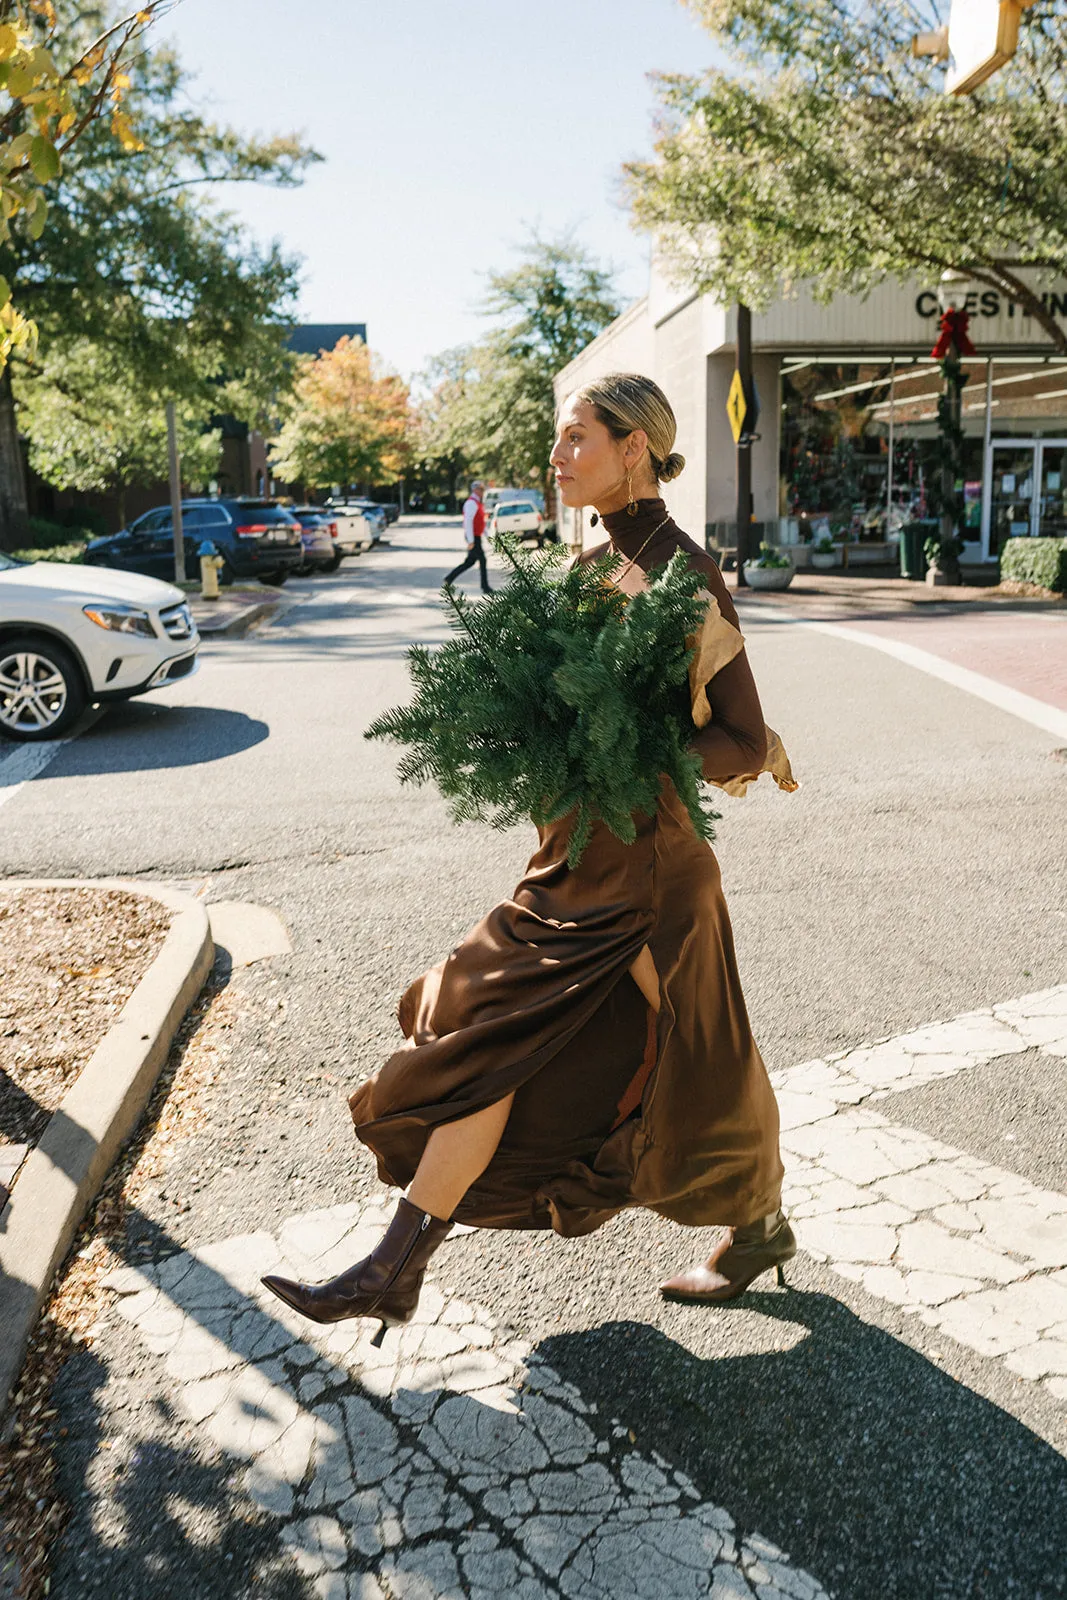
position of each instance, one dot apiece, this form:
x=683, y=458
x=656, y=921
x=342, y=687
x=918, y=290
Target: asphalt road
x=918, y=873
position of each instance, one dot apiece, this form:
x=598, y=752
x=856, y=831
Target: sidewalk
x=235, y=611
x=1015, y=641
x=832, y=596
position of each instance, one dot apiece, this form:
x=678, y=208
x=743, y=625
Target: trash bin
x=913, y=535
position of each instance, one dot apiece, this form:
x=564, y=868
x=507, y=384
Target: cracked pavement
x=891, y=1425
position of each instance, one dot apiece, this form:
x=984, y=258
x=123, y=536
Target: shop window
x=836, y=455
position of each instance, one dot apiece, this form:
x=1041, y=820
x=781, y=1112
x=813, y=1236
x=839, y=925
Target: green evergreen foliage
x=1041, y=561
x=558, y=695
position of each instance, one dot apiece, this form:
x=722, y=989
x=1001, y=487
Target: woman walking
x=586, y=1047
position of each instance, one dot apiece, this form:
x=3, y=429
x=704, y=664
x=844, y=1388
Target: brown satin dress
x=615, y=1104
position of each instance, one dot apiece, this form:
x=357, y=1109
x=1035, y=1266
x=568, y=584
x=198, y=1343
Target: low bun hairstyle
x=624, y=401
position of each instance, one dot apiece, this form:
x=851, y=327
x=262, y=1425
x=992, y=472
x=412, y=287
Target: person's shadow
x=875, y=1471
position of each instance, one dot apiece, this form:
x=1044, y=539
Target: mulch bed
x=54, y=926
x=69, y=961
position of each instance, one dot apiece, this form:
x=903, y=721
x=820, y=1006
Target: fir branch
x=558, y=696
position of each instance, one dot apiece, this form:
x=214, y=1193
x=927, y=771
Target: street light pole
x=743, y=452
x=952, y=344
x=175, y=495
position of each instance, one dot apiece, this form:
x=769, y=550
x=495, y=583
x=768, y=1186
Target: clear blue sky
x=449, y=128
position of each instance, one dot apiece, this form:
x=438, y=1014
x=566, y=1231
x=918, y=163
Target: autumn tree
x=825, y=153
x=348, y=422
x=134, y=258
x=49, y=105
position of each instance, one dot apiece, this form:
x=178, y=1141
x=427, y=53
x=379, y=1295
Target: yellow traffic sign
x=736, y=406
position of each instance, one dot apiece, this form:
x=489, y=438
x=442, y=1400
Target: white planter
x=824, y=559
x=769, y=577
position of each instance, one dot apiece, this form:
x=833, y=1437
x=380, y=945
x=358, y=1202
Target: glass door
x=1013, y=474
x=1051, y=519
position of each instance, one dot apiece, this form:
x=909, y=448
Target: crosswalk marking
x=459, y=1430
x=24, y=763
x=453, y=1429
x=968, y=1247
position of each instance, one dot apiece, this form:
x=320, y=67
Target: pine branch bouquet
x=558, y=694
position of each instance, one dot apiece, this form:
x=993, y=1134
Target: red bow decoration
x=954, y=326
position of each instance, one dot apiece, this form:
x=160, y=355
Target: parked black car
x=256, y=537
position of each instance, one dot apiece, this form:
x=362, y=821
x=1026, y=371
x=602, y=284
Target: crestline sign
x=991, y=303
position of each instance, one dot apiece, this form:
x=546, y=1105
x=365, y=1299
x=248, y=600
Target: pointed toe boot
x=386, y=1284
x=733, y=1265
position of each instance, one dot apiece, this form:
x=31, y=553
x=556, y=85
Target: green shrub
x=46, y=535
x=1040, y=561
x=52, y=552
x=770, y=557
x=89, y=519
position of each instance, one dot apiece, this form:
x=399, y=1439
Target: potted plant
x=772, y=569
x=824, y=553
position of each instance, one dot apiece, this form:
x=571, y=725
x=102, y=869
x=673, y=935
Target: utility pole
x=175, y=495
x=743, y=449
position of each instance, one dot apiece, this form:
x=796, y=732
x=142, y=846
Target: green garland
x=559, y=694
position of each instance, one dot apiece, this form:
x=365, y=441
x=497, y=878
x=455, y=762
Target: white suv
x=70, y=635
x=519, y=517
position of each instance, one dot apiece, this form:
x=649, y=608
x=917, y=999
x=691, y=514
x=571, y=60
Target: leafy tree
x=494, y=404
x=48, y=107
x=92, y=427
x=135, y=258
x=443, y=442
x=347, y=424
x=828, y=154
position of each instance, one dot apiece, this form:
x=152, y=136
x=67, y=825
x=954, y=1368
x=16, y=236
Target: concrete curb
x=61, y=1177
x=239, y=623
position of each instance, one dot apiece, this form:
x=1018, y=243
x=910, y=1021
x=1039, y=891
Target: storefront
x=848, y=428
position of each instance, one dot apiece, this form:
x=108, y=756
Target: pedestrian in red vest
x=473, y=529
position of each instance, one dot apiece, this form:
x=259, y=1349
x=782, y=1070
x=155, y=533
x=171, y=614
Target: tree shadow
x=874, y=1471
x=153, y=1517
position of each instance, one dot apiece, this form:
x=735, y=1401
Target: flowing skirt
x=615, y=1104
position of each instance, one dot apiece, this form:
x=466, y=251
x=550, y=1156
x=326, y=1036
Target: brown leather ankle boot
x=386, y=1284
x=734, y=1263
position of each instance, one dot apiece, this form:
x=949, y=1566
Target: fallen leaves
x=69, y=961
x=32, y=1514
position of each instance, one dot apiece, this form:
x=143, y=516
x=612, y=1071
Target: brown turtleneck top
x=735, y=740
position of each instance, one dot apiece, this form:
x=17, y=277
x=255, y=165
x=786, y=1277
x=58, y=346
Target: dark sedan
x=256, y=537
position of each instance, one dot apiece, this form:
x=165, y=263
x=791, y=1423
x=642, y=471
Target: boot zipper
x=405, y=1258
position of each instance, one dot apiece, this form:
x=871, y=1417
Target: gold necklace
x=641, y=551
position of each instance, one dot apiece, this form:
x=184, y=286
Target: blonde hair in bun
x=625, y=401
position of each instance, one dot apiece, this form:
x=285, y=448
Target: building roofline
x=629, y=315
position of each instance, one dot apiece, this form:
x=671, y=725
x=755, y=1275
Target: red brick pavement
x=1017, y=642
x=1028, y=653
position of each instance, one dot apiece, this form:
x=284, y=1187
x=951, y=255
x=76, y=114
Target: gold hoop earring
x=631, y=509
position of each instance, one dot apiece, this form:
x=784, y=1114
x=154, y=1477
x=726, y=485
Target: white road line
x=1037, y=712
x=26, y=762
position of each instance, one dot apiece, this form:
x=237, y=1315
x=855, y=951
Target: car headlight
x=121, y=619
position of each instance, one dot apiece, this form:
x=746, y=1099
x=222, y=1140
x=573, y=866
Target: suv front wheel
x=41, y=689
